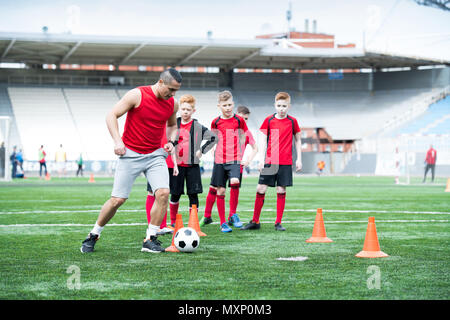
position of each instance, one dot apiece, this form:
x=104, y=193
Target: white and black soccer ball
x=186, y=240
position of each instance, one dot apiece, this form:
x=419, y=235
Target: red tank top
x=145, y=125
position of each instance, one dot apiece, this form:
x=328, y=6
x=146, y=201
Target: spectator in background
x=80, y=165
x=19, y=158
x=2, y=160
x=61, y=159
x=320, y=167
x=430, y=163
x=42, y=163
x=13, y=160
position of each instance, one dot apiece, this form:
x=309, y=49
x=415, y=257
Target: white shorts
x=132, y=164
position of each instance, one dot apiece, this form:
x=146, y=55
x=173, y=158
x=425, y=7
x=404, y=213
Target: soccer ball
x=187, y=240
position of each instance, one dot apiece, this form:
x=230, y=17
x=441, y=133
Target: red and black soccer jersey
x=229, y=149
x=279, y=139
x=184, y=139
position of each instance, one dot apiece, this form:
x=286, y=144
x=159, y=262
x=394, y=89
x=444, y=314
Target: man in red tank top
x=150, y=111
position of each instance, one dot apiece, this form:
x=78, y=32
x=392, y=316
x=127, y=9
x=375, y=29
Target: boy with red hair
x=276, y=170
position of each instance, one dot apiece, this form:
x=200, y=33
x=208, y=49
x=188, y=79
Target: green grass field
x=42, y=225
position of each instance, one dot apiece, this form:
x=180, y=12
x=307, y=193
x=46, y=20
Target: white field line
x=246, y=210
x=271, y=222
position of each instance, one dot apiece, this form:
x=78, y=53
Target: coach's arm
x=129, y=101
x=172, y=129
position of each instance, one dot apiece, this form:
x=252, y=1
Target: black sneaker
x=251, y=226
x=205, y=220
x=89, y=243
x=279, y=227
x=152, y=245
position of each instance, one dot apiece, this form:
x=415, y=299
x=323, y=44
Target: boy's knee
x=117, y=202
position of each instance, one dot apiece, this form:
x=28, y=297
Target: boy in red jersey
x=188, y=151
x=151, y=113
x=233, y=218
x=231, y=130
x=277, y=167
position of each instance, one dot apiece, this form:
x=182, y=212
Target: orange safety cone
x=47, y=176
x=91, y=179
x=448, y=186
x=178, y=225
x=193, y=221
x=319, y=234
x=371, y=247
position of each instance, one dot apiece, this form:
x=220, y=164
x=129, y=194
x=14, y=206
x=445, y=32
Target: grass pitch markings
x=214, y=223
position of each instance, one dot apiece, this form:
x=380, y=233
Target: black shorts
x=193, y=179
x=171, y=182
x=240, y=177
x=222, y=172
x=281, y=175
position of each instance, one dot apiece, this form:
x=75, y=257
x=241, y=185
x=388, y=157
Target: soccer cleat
x=152, y=245
x=89, y=243
x=205, y=220
x=224, y=227
x=279, y=227
x=251, y=226
x=164, y=231
x=235, y=221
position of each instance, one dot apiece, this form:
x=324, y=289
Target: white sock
x=152, y=230
x=97, y=229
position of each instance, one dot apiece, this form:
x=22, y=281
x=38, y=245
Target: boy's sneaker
x=224, y=227
x=205, y=220
x=164, y=231
x=152, y=245
x=251, y=226
x=89, y=243
x=279, y=227
x=235, y=221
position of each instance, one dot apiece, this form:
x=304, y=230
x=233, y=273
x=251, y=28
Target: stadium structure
x=355, y=107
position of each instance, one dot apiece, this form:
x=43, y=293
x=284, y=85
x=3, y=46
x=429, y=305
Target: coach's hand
x=198, y=154
x=298, y=165
x=175, y=170
x=168, y=147
x=119, y=148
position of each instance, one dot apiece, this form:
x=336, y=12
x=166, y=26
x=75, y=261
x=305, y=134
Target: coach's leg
x=109, y=209
x=160, y=206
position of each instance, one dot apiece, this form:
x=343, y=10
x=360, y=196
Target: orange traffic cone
x=47, y=176
x=178, y=225
x=91, y=179
x=371, y=247
x=319, y=234
x=193, y=221
x=448, y=186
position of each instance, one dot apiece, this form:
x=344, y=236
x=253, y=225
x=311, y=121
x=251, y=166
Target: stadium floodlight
x=5, y=125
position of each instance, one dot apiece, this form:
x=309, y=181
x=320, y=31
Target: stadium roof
x=42, y=48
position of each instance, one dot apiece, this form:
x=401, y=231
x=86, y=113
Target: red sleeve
x=249, y=138
x=296, y=127
x=264, y=126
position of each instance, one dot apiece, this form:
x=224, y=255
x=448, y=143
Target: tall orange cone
x=178, y=225
x=91, y=179
x=448, y=186
x=193, y=221
x=319, y=234
x=47, y=176
x=371, y=247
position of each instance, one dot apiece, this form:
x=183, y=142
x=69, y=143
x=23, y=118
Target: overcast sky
x=396, y=26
